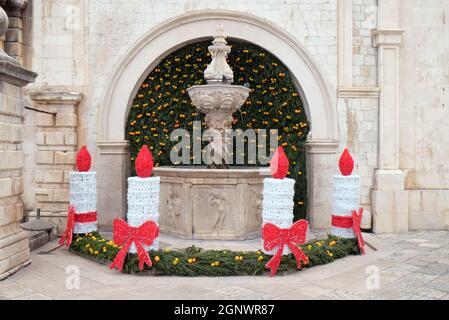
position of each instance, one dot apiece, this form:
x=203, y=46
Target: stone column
x=14, y=36
x=113, y=171
x=14, y=245
x=345, y=43
x=322, y=158
x=390, y=200
x=54, y=150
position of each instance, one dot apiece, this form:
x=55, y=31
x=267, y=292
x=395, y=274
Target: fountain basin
x=208, y=204
x=218, y=101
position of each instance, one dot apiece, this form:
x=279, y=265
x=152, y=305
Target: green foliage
x=211, y=262
x=162, y=104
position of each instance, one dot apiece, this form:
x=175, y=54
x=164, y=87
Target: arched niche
x=147, y=52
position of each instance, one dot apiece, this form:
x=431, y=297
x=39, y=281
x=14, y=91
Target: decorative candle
x=83, y=194
x=143, y=195
x=278, y=193
x=346, y=197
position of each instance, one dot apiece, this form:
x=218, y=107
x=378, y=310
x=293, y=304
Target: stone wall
x=51, y=146
x=14, y=247
x=425, y=113
x=77, y=44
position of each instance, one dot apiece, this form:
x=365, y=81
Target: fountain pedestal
x=211, y=204
x=216, y=202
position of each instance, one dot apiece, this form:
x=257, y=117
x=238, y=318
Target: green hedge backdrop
x=162, y=104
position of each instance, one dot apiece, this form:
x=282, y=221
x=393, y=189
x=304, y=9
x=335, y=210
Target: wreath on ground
x=194, y=261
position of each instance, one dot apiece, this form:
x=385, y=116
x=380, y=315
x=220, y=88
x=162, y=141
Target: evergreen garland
x=162, y=104
x=193, y=261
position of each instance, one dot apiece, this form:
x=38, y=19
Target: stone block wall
x=53, y=147
x=424, y=112
x=14, y=248
x=78, y=43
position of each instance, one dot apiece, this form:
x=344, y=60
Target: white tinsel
x=86, y=227
x=143, y=204
x=277, y=205
x=346, y=199
x=83, y=196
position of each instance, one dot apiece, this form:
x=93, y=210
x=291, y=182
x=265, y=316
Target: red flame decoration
x=346, y=163
x=144, y=163
x=279, y=164
x=83, y=160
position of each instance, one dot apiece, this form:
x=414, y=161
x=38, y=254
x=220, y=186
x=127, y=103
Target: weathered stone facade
x=373, y=73
x=14, y=247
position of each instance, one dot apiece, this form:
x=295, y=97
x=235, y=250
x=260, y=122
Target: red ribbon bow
x=125, y=235
x=356, y=222
x=274, y=236
x=68, y=233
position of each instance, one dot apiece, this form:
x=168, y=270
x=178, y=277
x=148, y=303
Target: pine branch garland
x=194, y=261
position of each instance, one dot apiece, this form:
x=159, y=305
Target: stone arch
x=319, y=101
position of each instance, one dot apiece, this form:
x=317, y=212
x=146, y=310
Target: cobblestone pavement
x=410, y=266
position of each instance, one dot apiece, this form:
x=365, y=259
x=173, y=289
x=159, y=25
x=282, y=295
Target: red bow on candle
x=125, y=235
x=356, y=222
x=274, y=236
x=353, y=222
x=68, y=233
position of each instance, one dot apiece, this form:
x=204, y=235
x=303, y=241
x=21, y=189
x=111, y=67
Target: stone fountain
x=219, y=99
x=214, y=202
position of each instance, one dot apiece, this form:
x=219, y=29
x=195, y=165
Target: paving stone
x=343, y=295
x=435, y=268
x=417, y=262
x=403, y=255
x=402, y=269
x=441, y=283
x=430, y=245
x=429, y=293
x=444, y=261
x=410, y=282
x=412, y=296
x=417, y=240
x=409, y=274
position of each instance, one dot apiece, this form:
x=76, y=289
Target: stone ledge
x=56, y=97
x=207, y=174
x=14, y=270
x=358, y=92
x=387, y=37
x=322, y=146
x=15, y=74
x=114, y=147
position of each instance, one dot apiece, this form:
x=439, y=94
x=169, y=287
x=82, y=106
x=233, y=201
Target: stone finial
x=15, y=8
x=218, y=71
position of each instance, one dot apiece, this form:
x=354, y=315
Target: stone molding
x=388, y=37
x=322, y=146
x=358, y=92
x=113, y=147
x=15, y=74
x=56, y=97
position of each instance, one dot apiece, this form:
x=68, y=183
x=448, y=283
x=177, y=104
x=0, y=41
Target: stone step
x=39, y=238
